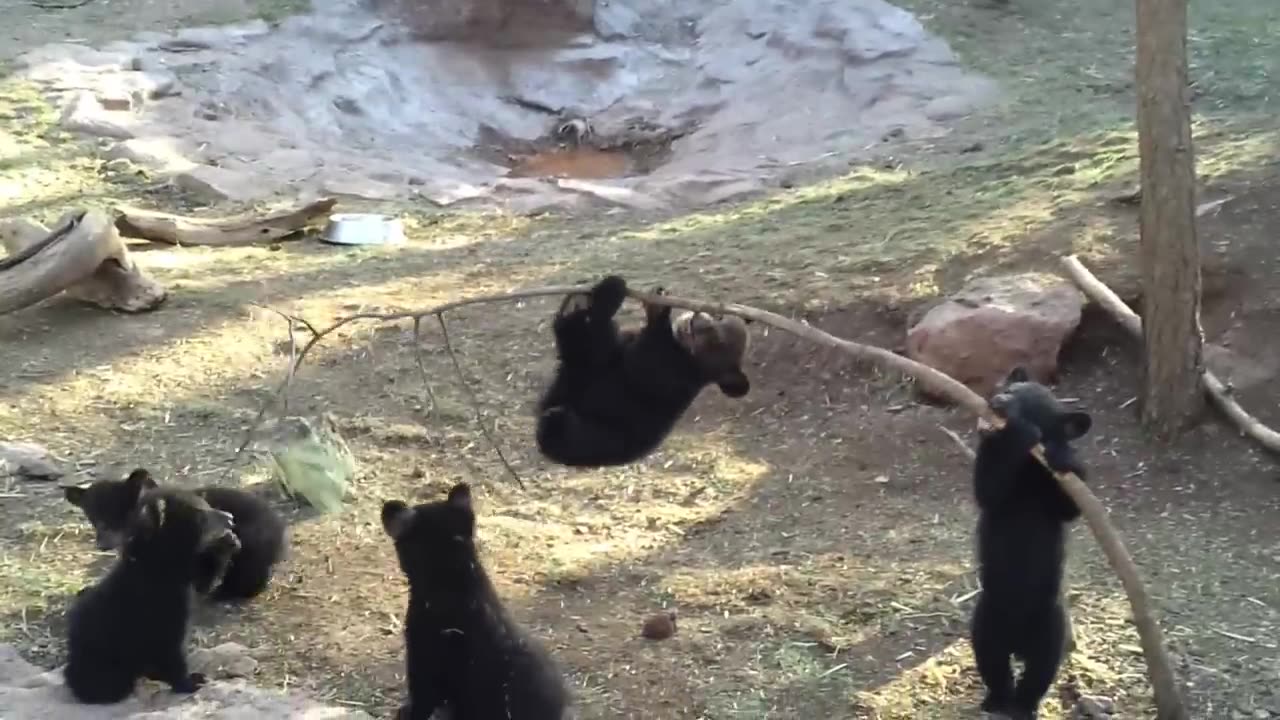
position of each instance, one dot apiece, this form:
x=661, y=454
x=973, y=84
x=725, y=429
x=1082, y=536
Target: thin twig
x=282, y=389
x=475, y=400
x=288, y=374
x=1217, y=390
x=964, y=447
x=422, y=365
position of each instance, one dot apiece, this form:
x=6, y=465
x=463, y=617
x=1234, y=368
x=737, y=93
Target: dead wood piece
x=82, y=255
x=1097, y=291
x=224, y=231
x=28, y=461
x=1159, y=667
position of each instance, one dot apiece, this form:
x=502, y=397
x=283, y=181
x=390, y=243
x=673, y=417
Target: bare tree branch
x=964, y=446
x=422, y=365
x=475, y=401
x=1159, y=667
x=1217, y=390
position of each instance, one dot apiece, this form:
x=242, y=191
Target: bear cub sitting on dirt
x=1022, y=524
x=133, y=623
x=110, y=504
x=464, y=655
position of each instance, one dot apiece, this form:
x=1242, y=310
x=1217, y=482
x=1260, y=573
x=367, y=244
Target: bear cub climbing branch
x=1023, y=514
x=617, y=394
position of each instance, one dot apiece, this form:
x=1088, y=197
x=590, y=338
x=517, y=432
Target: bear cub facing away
x=110, y=504
x=464, y=655
x=133, y=623
x=1023, y=515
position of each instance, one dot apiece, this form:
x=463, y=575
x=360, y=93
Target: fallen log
x=83, y=255
x=1217, y=390
x=220, y=231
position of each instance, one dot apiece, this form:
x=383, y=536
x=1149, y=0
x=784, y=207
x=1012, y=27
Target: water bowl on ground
x=363, y=229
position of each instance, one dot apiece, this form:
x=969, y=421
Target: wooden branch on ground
x=1097, y=291
x=82, y=255
x=1159, y=667
x=224, y=231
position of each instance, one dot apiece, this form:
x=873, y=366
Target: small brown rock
x=1093, y=707
x=660, y=626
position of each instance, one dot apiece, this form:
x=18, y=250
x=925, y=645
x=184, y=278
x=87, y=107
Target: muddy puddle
x=576, y=162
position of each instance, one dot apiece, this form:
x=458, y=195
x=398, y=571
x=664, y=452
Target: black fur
x=133, y=623
x=464, y=654
x=110, y=504
x=617, y=394
x=1023, y=514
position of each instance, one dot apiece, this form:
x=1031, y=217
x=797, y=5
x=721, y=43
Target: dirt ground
x=814, y=537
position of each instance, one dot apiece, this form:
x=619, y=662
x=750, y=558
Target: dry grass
x=815, y=538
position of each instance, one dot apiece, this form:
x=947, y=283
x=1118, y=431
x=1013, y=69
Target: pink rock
x=979, y=334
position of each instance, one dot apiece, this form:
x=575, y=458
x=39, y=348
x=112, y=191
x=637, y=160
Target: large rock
x=979, y=334
x=214, y=184
x=84, y=114
x=493, y=22
x=29, y=693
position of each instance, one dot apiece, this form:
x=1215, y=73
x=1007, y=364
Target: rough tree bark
x=83, y=255
x=220, y=231
x=1169, y=253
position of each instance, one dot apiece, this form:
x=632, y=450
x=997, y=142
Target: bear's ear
x=1076, y=425
x=139, y=481
x=1018, y=374
x=75, y=494
x=396, y=518
x=460, y=496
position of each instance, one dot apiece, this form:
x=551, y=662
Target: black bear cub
x=133, y=623
x=617, y=394
x=110, y=504
x=1022, y=519
x=464, y=655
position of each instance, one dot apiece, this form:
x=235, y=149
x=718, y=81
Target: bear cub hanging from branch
x=465, y=658
x=110, y=505
x=133, y=623
x=1023, y=515
x=617, y=393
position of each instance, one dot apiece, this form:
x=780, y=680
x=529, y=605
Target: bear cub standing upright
x=110, y=504
x=1022, y=518
x=133, y=623
x=464, y=655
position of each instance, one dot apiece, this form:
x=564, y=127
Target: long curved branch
x=1159, y=667
x=1218, y=391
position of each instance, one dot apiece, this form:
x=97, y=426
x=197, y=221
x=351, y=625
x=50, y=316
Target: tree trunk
x=1170, y=255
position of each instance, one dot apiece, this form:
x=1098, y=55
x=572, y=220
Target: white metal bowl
x=363, y=229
